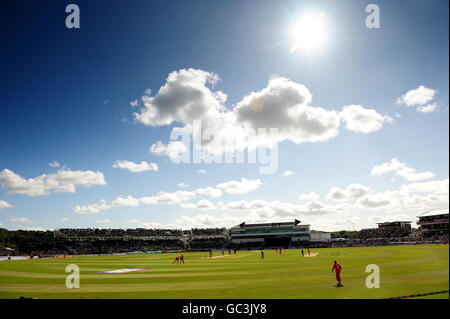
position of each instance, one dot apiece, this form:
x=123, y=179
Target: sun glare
x=308, y=32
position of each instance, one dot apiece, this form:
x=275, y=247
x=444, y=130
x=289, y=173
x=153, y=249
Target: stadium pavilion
x=281, y=234
x=434, y=222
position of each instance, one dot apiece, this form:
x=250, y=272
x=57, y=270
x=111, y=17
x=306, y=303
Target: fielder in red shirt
x=181, y=259
x=262, y=254
x=337, y=269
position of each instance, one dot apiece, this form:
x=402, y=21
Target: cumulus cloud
x=92, y=208
x=202, y=171
x=174, y=149
x=352, y=191
x=4, y=204
x=401, y=169
x=288, y=173
x=134, y=103
x=128, y=201
x=209, y=191
x=135, y=167
x=265, y=209
x=169, y=198
x=309, y=196
x=189, y=95
x=284, y=105
x=375, y=200
x=240, y=187
x=360, y=119
x=427, y=108
x=419, y=96
x=63, y=180
x=202, y=204
x=182, y=185
x=435, y=187
x=54, y=164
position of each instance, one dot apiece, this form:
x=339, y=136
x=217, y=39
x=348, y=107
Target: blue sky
x=65, y=96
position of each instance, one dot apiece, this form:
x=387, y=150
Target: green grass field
x=404, y=270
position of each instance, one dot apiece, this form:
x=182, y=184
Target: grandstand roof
x=435, y=212
x=294, y=223
x=397, y=221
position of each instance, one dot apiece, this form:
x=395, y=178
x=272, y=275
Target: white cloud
x=427, y=108
x=134, y=103
x=168, y=198
x=22, y=220
x=310, y=196
x=398, y=115
x=210, y=191
x=91, y=209
x=374, y=200
x=189, y=95
x=54, y=164
x=288, y=173
x=129, y=201
x=63, y=180
x=351, y=192
x=134, y=167
x=419, y=96
x=436, y=187
x=360, y=119
x=132, y=221
x=240, y=187
x=401, y=169
x=202, y=171
x=4, y=204
x=202, y=204
x=182, y=185
x=174, y=149
x=64, y=219
x=278, y=209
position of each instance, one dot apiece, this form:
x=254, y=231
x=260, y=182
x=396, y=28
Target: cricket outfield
x=404, y=270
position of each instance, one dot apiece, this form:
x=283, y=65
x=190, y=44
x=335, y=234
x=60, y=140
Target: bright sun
x=308, y=32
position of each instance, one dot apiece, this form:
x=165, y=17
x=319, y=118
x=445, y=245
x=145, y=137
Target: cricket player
x=177, y=260
x=181, y=259
x=309, y=252
x=210, y=253
x=337, y=269
x=303, y=254
x=262, y=254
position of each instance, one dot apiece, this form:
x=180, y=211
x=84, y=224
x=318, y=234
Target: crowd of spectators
x=106, y=241
x=384, y=233
x=47, y=247
x=209, y=243
x=137, y=232
x=208, y=232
